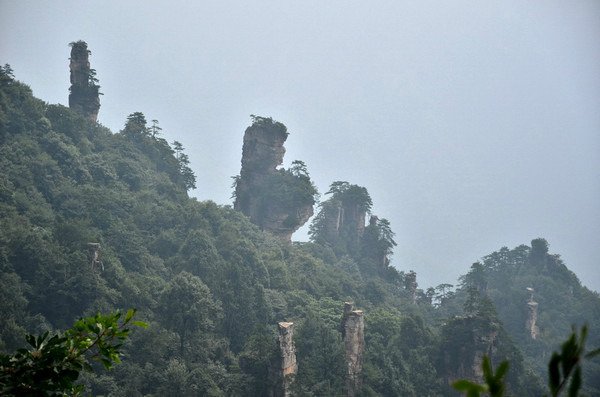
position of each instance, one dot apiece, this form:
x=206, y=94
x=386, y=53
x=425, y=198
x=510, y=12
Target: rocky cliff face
x=472, y=338
x=84, y=95
x=487, y=346
x=277, y=200
x=353, y=326
x=344, y=217
x=410, y=280
x=340, y=222
x=289, y=366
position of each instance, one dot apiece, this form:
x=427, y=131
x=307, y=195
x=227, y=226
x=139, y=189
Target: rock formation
x=344, y=218
x=353, y=325
x=487, y=346
x=84, y=97
x=532, y=308
x=410, y=281
x=463, y=360
x=94, y=253
x=340, y=222
x=288, y=367
x=277, y=200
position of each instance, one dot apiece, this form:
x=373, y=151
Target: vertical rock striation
x=84, y=96
x=289, y=366
x=353, y=326
x=344, y=219
x=340, y=222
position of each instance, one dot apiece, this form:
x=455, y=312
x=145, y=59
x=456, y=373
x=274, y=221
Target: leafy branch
x=53, y=364
x=564, y=369
x=493, y=381
x=566, y=365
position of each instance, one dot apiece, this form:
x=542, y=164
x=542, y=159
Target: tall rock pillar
x=532, y=313
x=276, y=200
x=84, y=97
x=289, y=366
x=353, y=330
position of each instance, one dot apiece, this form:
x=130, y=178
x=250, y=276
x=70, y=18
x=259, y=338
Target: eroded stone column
x=532, y=313
x=353, y=327
x=289, y=366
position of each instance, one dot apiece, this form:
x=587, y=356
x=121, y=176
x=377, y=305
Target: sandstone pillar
x=353, y=326
x=532, y=312
x=289, y=366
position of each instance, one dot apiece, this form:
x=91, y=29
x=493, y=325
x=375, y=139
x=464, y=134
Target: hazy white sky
x=474, y=125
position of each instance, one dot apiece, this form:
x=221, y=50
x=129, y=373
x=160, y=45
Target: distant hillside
x=538, y=300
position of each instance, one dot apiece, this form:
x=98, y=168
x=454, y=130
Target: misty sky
x=474, y=125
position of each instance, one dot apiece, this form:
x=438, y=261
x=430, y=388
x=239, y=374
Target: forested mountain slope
x=538, y=300
x=92, y=220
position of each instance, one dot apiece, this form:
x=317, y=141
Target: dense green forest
x=92, y=221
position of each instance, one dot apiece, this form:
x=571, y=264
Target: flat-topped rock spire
x=353, y=330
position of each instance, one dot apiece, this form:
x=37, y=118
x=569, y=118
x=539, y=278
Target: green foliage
x=51, y=365
x=187, y=306
x=269, y=124
x=136, y=124
x=213, y=286
x=320, y=356
x=493, y=381
x=340, y=221
x=288, y=188
x=564, y=368
x=510, y=277
x=351, y=194
x=187, y=175
x=258, y=357
x=90, y=87
x=377, y=243
x=155, y=130
x=399, y=356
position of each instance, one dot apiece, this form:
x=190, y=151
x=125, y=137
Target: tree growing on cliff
x=378, y=243
x=289, y=187
x=341, y=218
x=189, y=179
x=155, y=130
x=351, y=194
x=84, y=90
x=268, y=123
x=136, y=124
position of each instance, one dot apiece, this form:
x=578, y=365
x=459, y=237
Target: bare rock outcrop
x=487, y=346
x=343, y=217
x=410, y=281
x=353, y=326
x=84, y=97
x=289, y=367
x=532, y=314
x=277, y=200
